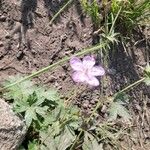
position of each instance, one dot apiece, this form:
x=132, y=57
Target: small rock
x=104, y=109
x=12, y=128
x=92, y=101
x=85, y=104
x=2, y=18
x=20, y=55
x=90, y=106
x=111, y=71
x=7, y=36
x=1, y=44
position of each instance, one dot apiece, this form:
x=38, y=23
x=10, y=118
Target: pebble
x=92, y=101
x=111, y=71
x=2, y=18
x=104, y=109
x=1, y=44
x=85, y=104
x=90, y=106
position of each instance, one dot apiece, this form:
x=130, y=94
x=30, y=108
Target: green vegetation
x=54, y=124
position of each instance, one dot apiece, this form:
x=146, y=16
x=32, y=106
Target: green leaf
x=48, y=119
x=64, y=140
x=122, y=98
x=20, y=109
x=49, y=94
x=19, y=91
x=32, y=98
x=59, y=142
x=48, y=141
x=147, y=74
x=41, y=110
x=33, y=146
x=117, y=109
x=147, y=69
x=56, y=128
x=30, y=114
x=91, y=143
x=147, y=81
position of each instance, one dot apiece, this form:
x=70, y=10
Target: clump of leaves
x=133, y=12
x=30, y=100
x=45, y=114
x=52, y=124
x=92, y=9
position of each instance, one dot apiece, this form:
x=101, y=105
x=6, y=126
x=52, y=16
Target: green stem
x=98, y=104
x=84, y=51
x=111, y=29
x=57, y=14
x=131, y=85
x=93, y=112
x=87, y=121
x=77, y=138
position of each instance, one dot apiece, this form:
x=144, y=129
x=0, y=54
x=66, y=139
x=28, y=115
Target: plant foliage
x=117, y=108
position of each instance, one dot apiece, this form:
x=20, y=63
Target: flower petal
x=88, y=62
x=79, y=76
x=76, y=64
x=97, y=71
x=93, y=81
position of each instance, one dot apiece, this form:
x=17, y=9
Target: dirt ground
x=70, y=33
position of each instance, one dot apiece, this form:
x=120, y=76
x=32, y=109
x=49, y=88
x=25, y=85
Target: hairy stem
x=131, y=85
x=84, y=51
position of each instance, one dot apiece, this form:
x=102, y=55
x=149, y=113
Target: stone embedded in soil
x=3, y=18
x=90, y=106
x=104, y=109
x=92, y=101
x=85, y=104
x=1, y=44
x=12, y=128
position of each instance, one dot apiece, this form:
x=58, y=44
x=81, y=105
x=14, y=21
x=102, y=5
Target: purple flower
x=85, y=71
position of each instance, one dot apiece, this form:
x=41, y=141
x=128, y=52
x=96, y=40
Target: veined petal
x=93, y=81
x=76, y=64
x=88, y=62
x=79, y=76
x=97, y=71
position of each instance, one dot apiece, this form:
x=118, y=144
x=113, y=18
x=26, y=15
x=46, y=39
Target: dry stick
x=85, y=51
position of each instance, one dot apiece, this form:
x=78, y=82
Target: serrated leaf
x=56, y=128
x=49, y=94
x=147, y=70
x=65, y=139
x=59, y=142
x=30, y=114
x=41, y=110
x=117, y=109
x=20, y=106
x=33, y=146
x=91, y=143
x=43, y=147
x=48, y=141
x=147, y=81
x=19, y=91
x=32, y=98
x=122, y=98
x=19, y=109
x=48, y=119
